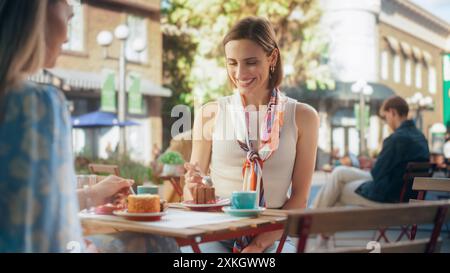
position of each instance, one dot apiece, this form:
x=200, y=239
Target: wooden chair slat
x=338, y=219
x=305, y=223
x=104, y=169
x=431, y=184
x=418, y=166
x=417, y=174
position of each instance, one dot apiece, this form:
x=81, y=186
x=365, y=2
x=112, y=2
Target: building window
x=432, y=83
x=75, y=31
x=418, y=75
x=396, y=68
x=384, y=64
x=408, y=71
x=138, y=30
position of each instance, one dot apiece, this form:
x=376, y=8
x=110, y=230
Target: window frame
x=432, y=78
x=83, y=51
x=396, y=68
x=384, y=67
x=418, y=83
x=129, y=43
x=408, y=71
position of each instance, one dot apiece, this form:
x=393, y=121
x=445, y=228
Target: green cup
x=147, y=190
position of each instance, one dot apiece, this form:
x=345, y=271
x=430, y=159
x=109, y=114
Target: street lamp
x=105, y=39
x=420, y=103
x=363, y=89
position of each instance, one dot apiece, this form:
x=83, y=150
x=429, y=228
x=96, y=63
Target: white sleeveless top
x=227, y=158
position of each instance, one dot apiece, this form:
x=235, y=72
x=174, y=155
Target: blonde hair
x=22, y=40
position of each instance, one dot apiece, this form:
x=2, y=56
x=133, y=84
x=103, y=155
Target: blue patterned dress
x=38, y=200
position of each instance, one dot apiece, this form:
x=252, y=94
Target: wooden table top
x=94, y=224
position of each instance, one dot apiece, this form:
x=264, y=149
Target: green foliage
x=296, y=23
x=178, y=58
x=194, y=63
x=171, y=158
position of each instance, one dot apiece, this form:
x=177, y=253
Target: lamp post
x=363, y=89
x=420, y=103
x=105, y=39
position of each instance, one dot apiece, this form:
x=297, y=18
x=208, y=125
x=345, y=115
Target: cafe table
x=190, y=228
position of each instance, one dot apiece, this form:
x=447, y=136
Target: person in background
x=39, y=202
x=383, y=184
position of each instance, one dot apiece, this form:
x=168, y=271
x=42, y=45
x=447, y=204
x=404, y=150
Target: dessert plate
x=220, y=202
x=107, y=209
x=154, y=216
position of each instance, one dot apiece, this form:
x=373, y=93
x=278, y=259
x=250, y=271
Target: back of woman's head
x=260, y=31
x=22, y=40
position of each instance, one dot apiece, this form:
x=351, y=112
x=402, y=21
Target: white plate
x=153, y=216
x=243, y=212
x=149, y=214
x=219, y=203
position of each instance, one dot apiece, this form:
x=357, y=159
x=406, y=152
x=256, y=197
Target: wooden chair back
x=413, y=170
x=304, y=223
x=104, y=169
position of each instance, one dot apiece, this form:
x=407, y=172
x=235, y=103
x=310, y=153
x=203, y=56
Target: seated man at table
x=352, y=186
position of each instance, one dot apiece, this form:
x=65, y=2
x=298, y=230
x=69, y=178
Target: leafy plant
x=171, y=158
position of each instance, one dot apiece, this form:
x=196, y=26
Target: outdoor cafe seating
x=214, y=225
x=303, y=224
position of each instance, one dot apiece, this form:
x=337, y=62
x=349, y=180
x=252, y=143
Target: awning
x=393, y=44
x=342, y=92
x=343, y=117
x=75, y=79
x=417, y=53
x=427, y=58
x=406, y=49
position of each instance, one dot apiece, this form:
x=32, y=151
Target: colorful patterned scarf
x=270, y=139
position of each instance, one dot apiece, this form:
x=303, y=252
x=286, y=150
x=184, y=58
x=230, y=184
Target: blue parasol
x=99, y=119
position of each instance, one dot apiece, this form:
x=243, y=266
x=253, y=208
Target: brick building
x=79, y=71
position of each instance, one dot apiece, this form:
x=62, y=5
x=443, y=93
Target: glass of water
x=85, y=181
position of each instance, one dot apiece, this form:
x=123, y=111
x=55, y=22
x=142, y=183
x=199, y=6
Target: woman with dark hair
x=256, y=139
x=39, y=202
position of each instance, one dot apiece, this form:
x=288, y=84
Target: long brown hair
x=260, y=31
x=22, y=41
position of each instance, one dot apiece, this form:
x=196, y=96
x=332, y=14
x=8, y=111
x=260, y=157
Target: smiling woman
x=253, y=57
x=257, y=139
